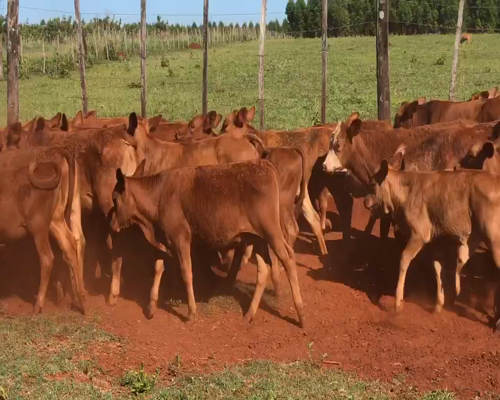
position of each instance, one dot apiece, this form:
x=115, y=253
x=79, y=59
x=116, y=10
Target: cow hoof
x=398, y=308
x=151, y=310
x=302, y=322
x=191, y=317
x=438, y=308
x=37, y=309
x=497, y=328
x=60, y=293
x=328, y=226
x=112, y=299
x=247, y=318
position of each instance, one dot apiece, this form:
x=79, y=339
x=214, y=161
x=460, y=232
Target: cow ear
x=40, y=124
x=475, y=149
x=493, y=92
x=251, y=114
x=353, y=126
x=421, y=100
x=398, y=161
x=140, y=169
x=55, y=120
x=154, y=122
x=120, y=181
x=91, y=114
x=241, y=118
x=488, y=149
x=133, y=122
x=78, y=120
x=484, y=94
x=411, y=108
x=209, y=121
x=381, y=174
x=64, y=123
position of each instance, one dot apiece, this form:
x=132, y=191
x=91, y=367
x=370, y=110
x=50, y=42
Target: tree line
x=66, y=26
x=407, y=17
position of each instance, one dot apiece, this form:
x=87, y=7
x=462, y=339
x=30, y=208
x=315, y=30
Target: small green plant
x=165, y=63
x=134, y=85
x=139, y=382
x=175, y=366
x=440, y=60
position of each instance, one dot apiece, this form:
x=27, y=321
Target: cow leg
x=385, y=226
x=344, y=203
x=323, y=207
x=184, y=253
x=275, y=273
x=286, y=256
x=464, y=252
x=412, y=248
x=262, y=273
x=370, y=224
x=116, y=272
x=439, y=284
x=313, y=219
x=69, y=248
x=241, y=255
x=46, y=263
x=153, y=301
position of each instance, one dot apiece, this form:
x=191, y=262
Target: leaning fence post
x=383, y=90
x=1, y=57
x=454, y=65
x=205, y=57
x=81, y=57
x=12, y=61
x=143, y=59
x=261, y=62
x=324, y=61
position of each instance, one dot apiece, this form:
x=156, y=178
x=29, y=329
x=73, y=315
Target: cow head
x=200, y=126
x=380, y=192
x=124, y=206
x=239, y=121
x=482, y=156
x=341, y=156
x=404, y=116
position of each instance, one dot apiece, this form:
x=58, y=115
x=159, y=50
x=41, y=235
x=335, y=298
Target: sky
x=174, y=11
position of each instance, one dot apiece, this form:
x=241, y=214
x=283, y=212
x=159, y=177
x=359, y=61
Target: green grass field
x=419, y=66
x=50, y=357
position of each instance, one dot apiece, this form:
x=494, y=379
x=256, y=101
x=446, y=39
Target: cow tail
x=70, y=159
x=253, y=138
x=303, y=182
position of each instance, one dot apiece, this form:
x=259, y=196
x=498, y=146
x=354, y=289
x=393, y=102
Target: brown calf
x=198, y=128
x=433, y=204
x=218, y=205
x=313, y=141
x=466, y=37
x=419, y=113
x=40, y=197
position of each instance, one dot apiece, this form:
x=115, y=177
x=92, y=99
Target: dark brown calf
x=217, y=205
x=40, y=197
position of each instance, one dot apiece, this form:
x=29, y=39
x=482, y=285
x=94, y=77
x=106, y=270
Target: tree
x=313, y=18
x=292, y=16
x=250, y=25
x=302, y=17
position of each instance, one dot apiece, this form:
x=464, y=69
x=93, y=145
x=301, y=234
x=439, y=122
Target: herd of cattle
x=240, y=191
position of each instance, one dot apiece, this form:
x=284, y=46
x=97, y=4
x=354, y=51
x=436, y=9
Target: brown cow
x=417, y=113
x=486, y=94
x=435, y=204
x=219, y=205
x=314, y=142
x=98, y=153
x=40, y=197
x=198, y=128
x=483, y=156
x=466, y=37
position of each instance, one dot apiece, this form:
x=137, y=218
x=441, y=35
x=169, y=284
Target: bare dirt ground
x=348, y=298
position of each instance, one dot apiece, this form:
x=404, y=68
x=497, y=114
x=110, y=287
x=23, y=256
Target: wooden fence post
x=454, y=65
x=383, y=89
x=1, y=57
x=205, y=58
x=12, y=61
x=324, y=61
x=125, y=40
x=43, y=55
x=81, y=57
x=143, y=59
x=261, y=63
x=106, y=30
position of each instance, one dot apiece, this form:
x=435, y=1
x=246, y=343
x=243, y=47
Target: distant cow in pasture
x=40, y=197
x=218, y=205
x=462, y=205
x=194, y=46
x=466, y=37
